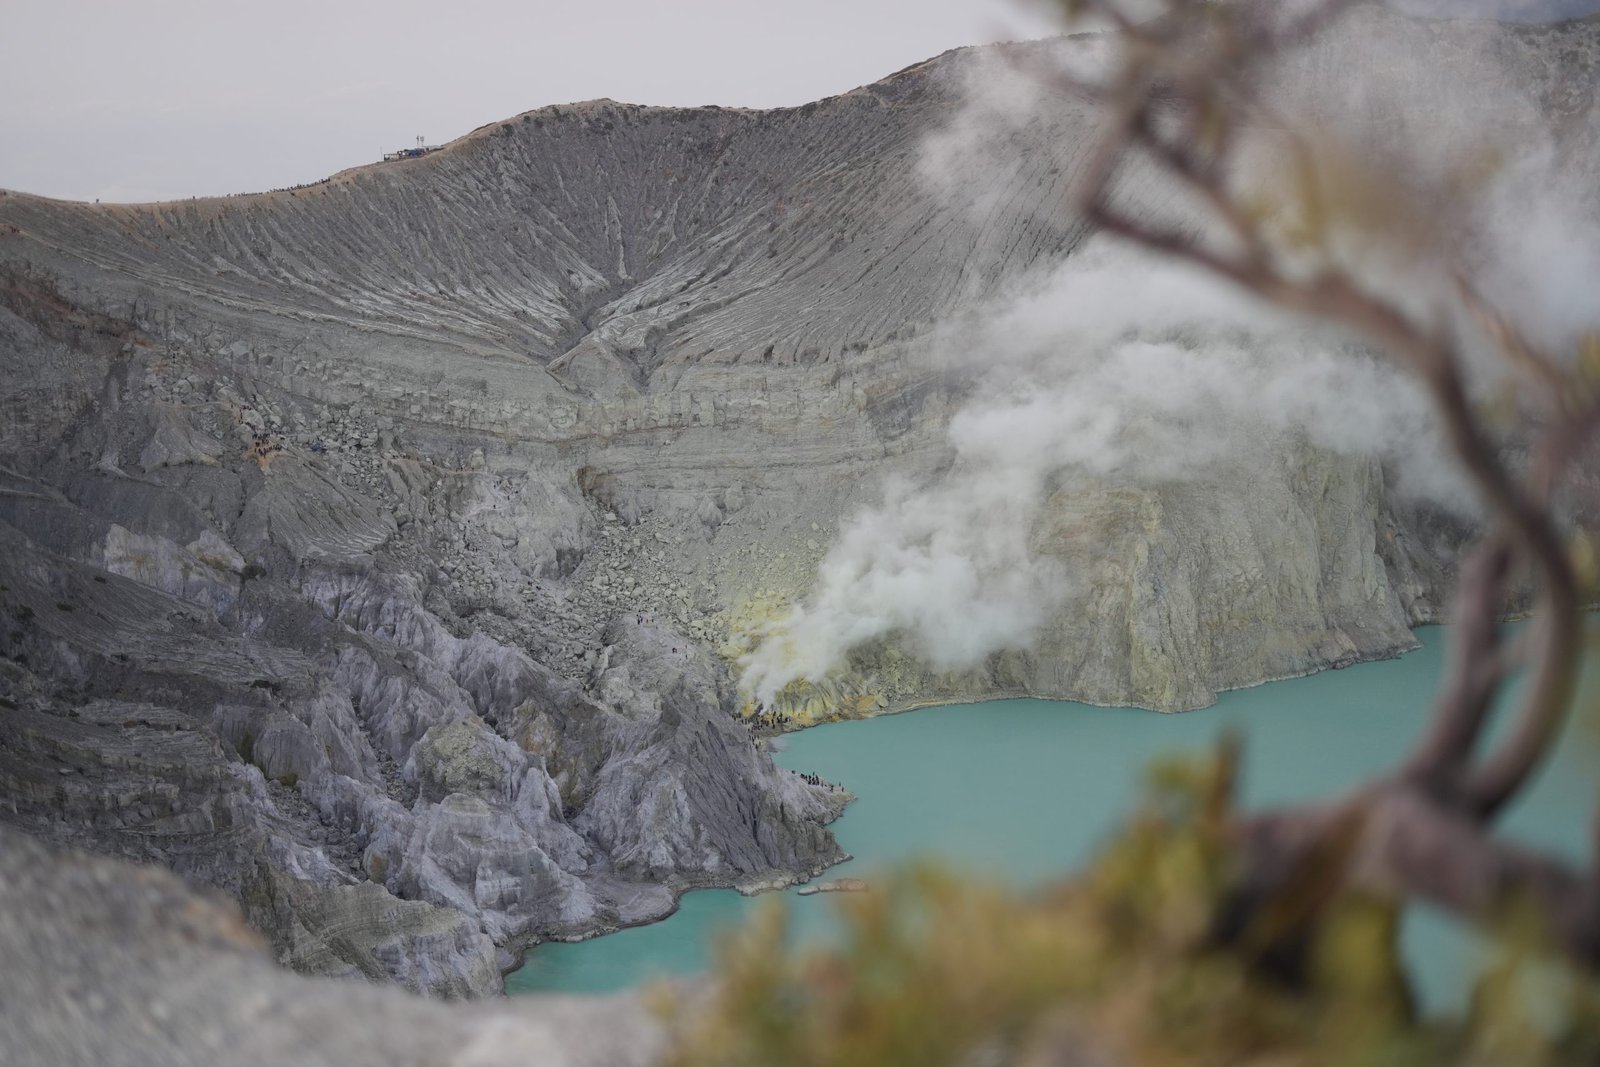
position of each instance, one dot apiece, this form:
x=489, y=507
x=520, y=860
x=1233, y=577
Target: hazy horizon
x=176, y=98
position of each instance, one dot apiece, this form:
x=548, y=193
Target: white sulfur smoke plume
x=1137, y=372
x=1540, y=224
x=947, y=566
x=1119, y=367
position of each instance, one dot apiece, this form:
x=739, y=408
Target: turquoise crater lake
x=1024, y=791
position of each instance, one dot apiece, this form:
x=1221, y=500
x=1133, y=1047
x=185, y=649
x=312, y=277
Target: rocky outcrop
x=224, y=663
x=375, y=552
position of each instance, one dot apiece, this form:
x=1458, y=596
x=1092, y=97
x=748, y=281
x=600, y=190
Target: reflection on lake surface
x=1023, y=790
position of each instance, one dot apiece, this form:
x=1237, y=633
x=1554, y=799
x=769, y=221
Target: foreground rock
x=125, y=966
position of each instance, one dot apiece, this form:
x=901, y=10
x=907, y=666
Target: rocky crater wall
x=380, y=552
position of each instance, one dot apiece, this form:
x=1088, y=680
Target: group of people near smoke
x=765, y=717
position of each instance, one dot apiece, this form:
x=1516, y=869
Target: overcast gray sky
x=149, y=99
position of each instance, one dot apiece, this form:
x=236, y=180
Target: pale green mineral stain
x=1023, y=790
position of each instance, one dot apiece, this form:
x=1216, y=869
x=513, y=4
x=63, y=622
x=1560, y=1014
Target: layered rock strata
x=374, y=552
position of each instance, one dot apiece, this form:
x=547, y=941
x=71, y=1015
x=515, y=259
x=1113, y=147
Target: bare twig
x=1476, y=666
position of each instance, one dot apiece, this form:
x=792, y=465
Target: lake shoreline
x=1026, y=790
x=769, y=734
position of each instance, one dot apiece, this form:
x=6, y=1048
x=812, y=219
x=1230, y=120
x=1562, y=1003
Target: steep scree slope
x=372, y=551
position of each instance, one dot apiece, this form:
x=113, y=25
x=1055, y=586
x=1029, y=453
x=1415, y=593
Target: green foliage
x=1119, y=965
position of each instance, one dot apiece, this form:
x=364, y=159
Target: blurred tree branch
x=1183, y=96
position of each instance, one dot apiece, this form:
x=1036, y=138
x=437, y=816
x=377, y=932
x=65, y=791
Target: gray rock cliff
x=375, y=552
